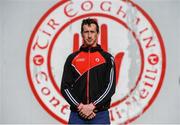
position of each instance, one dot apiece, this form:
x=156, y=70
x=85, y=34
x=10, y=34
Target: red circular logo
x=126, y=31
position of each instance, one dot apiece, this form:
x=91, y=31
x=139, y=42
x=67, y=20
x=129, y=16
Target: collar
x=91, y=49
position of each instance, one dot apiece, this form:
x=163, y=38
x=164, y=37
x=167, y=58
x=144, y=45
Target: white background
x=17, y=102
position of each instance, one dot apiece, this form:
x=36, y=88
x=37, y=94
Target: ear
x=97, y=34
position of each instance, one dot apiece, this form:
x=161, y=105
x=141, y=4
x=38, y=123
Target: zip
x=87, y=88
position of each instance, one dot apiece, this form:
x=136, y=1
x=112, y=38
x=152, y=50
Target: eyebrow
x=89, y=31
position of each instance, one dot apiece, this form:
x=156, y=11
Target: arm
x=66, y=85
x=107, y=92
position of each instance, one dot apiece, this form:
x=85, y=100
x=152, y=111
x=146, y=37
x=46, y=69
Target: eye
x=86, y=31
x=92, y=31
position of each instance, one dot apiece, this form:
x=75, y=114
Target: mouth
x=89, y=40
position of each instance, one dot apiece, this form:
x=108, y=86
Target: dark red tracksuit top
x=89, y=77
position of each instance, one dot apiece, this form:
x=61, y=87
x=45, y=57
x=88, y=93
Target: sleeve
x=107, y=92
x=66, y=85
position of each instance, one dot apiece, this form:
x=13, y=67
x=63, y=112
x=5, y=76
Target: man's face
x=90, y=35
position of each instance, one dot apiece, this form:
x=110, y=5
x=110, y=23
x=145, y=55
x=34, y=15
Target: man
x=88, y=81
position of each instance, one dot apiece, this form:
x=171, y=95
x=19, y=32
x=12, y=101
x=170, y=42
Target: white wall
x=17, y=102
x=165, y=109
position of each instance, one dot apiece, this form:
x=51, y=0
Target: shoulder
x=107, y=55
x=71, y=56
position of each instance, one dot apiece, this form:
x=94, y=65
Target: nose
x=89, y=35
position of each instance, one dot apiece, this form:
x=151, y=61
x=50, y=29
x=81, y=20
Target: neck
x=89, y=46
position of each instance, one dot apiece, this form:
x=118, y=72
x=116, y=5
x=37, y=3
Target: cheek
x=95, y=36
x=84, y=36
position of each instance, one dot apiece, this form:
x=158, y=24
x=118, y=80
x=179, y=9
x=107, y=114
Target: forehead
x=89, y=27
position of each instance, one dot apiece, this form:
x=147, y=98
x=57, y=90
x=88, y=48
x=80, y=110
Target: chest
x=85, y=61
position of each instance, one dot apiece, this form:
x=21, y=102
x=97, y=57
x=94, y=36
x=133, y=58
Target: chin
x=90, y=43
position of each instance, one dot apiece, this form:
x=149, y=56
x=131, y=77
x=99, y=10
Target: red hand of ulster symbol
x=104, y=44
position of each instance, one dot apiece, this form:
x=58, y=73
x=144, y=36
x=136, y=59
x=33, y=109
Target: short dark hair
x=89, y=21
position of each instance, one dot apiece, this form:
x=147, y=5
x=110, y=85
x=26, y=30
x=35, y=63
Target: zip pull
x=87, y=89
